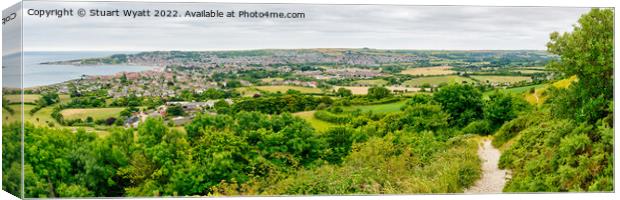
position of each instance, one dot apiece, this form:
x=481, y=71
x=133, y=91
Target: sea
x=35, y=74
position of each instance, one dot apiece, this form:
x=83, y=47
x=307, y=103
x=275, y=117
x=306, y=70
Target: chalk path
x=493, y=179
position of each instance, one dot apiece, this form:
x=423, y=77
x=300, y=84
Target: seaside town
x=177, y=77
x=341, y=121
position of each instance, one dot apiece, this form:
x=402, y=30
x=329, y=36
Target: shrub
x=390, y=165
x=378, y=93
x=513, y=127
x=463, y=102
x=333, y=118
x=558, y=155
x=480, y=127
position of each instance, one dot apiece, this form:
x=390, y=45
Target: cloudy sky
x=325, y=26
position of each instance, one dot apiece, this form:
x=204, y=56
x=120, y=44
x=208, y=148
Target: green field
x=43, y=118
x=28, y=98
x=379, y=108
x=95, y=113
x=317, y=124
x=501, y=79
x=321, y=125
x=31, y=98
x=10, y=118
x=250, y=91
x=436, y=80
x=519, y=90
x=39, y=118
x=374, y=82
x=284, y=88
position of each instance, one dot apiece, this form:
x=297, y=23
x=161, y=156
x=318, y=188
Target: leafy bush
x=480, y=127
x=376, y=92
x=512, y=128
x=419, y=117
x=463, y=103
x=279, y=104
x=420, y=99
x=390, y=166
x=560, y=156
x=339, y=141
x=333, y=118
x=502, y=107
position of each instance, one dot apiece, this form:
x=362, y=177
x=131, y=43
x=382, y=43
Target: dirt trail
x=493, y=179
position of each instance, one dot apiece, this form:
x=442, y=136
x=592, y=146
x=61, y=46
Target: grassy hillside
x=538, y=97
x=95, y=113
x=28, y=98
x=317, y=124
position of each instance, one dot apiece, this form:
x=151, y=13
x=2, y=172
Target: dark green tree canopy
x=463, y=103
x=586, y=52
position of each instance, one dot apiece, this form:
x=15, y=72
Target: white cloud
x=325, y=26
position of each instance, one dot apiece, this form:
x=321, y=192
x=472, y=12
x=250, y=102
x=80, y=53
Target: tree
x=569, y=145
x=463, y=103
x=418, y=117
x=378, y=92
x=159, y=155
x=89, y=119
x=48, y=98
x=502, y=107
x=233, y=84
x=127, y=112
x=420, y=99
x=213, y=93
x=344, y=92
x=123, y=79
x=587, y=52
x=221, y=107
x=152, y=102
x=5, y=106
x=175, y=110
x=339, y=140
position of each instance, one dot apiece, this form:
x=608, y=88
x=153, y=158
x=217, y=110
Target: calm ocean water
x=36, y=74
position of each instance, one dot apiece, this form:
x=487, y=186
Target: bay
x=36, y=74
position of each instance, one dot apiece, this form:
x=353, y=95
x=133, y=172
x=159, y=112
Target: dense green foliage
x=250, y=153
x=502, y=107
x=463, y=103
x=86, y=102
x=331, y=117
x=46, y=99
x=344, y=92
x=557, y=155
x=567, y=145
x=378, y=93
x=280, y=103
x=587, y=52
x=388, y=165
x=175, y=110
